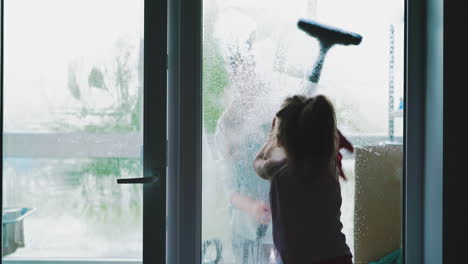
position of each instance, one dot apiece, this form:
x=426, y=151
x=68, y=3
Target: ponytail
x=288, y=129
x=307, y=130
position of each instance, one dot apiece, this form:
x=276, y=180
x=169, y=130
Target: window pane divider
x=74, y=145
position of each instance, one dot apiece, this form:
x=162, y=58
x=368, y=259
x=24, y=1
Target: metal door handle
x=142, y=180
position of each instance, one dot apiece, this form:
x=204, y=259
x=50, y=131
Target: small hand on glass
x=261, y=212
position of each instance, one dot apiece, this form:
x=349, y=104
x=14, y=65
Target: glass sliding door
x=254, y=56
x=78, y=107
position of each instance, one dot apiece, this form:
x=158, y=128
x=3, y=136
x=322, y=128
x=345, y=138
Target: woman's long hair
x=307, y=131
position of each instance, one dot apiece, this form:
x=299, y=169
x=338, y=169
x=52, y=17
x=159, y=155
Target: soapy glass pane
x=253, y=57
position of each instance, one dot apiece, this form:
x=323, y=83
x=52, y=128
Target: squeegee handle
x=318, y=65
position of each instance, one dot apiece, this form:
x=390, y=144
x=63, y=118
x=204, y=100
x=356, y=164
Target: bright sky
x=43, y=37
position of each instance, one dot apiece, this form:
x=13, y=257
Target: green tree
x=215, y=76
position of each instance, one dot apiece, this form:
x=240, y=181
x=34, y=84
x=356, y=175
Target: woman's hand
x=257, y=209
x=260, y=211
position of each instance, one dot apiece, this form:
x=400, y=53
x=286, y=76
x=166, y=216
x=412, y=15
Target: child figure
x=305, y=195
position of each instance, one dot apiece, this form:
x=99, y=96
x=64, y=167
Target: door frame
x=424, y=142
x=155, y=130
x=422, y=100
x=184, y=131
